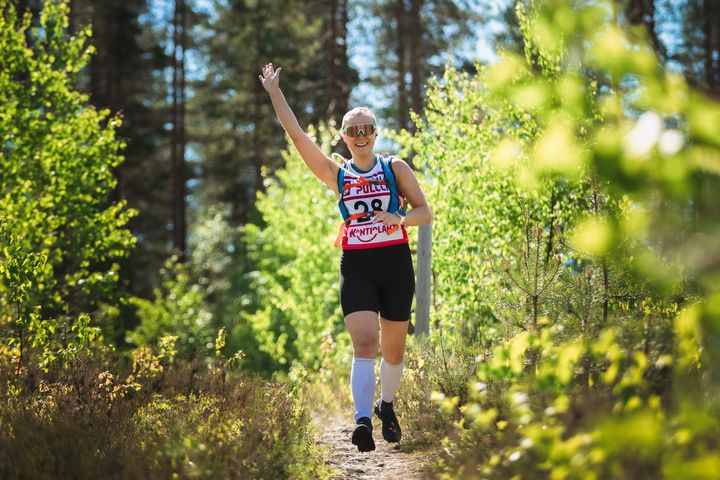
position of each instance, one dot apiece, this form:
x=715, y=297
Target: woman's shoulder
x=391, y=159
x=398, y=164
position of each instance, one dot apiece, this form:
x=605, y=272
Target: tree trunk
x=416, y=54
x=182, y=138
x=550, y=247
x=711, y=39
x=73, y=16
x=257, y=141
x=400, y=15
x=339, y=68
x=596, y=207
x=177, y=147
x=642, y=12
x=424, y=278
x=113, y=87
x=345, y=82
x=331, y=57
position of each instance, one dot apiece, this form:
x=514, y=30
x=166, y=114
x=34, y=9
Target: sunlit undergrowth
x=158, y=419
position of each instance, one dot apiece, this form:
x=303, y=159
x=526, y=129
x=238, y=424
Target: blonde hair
x=358, y=110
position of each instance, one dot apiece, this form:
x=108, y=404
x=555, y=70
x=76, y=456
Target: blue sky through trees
x=361, y=49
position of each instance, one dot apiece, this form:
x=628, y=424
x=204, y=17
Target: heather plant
x=161, y=418
x=575, y=305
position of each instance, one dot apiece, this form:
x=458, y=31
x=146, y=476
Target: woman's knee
x=366, y=345
x=393, y=358
x=364, y=332
x=394, y=335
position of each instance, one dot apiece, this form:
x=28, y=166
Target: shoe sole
x=385, y=436
x=362, y=437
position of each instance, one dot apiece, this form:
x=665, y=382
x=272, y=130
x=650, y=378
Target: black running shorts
x=378, y=279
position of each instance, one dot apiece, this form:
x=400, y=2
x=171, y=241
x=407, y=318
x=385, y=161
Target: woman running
x=377, y=281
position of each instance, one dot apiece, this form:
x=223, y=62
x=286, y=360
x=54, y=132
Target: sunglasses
x=359, y=129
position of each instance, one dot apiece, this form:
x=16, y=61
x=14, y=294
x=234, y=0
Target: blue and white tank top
x=366, y=192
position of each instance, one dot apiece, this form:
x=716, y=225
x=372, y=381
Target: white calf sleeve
x=362, y=383
x=390, y=376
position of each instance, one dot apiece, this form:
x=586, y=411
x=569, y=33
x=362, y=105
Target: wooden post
x=422, y=284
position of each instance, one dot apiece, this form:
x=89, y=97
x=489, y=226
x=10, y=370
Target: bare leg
x=392, y=340
x=364, y=332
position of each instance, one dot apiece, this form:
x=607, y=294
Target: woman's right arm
x=320, y=164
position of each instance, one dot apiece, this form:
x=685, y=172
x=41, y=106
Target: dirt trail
x=387, y=462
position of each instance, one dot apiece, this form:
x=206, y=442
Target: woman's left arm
x=407, y=184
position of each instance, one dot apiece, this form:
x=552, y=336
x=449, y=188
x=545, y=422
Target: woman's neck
x=364, y=162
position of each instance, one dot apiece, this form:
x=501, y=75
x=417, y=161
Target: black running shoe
x=390, y=426
x=362, y=435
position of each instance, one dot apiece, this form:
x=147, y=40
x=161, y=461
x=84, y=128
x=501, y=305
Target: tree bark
x=711, y=41
x=331, y=57
x=257, y=140
x=340, y=68
x=73, y=16
x=177, y=147
x=596, y=207
x=113, y=85
x=416, y=64
x=345, y=79
x=401, y=18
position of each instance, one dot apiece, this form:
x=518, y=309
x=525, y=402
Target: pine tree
x=340, y=77
x=696, y=51
x=178, y=175
x=127, y=76
x=415, y=38
x=234, y=129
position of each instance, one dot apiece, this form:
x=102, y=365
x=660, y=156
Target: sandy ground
x=388, y=460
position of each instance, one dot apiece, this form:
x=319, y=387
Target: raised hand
x=270, y=78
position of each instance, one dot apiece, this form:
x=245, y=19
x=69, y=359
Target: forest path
x=387, y=462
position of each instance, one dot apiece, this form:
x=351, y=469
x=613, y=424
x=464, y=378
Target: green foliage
x=218, y=263
x=59, y=261
x=576, y=305
x=571, y=189
x=61, y=234
x=471, y=147
x=296, y=280
x=179, y=309
x=129, y=74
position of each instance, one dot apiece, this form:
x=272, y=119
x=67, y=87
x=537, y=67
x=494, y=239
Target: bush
x=179, y=309
x=164, y=420
x=62, y=238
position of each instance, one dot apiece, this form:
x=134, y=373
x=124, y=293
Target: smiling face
x=362, y=145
